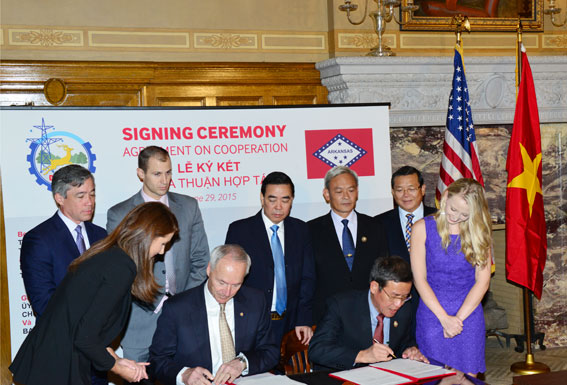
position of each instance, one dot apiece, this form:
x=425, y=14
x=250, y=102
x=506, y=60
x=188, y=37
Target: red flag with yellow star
x=526, y=236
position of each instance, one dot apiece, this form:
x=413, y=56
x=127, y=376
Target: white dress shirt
x=213, y=315
x=417, y=215
x=163, y=199
x=281, y=231
x=352, y=226
x=72, y=226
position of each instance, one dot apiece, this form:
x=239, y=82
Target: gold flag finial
x=461, y=24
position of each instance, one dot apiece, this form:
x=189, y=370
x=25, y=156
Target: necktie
x=379, y=332
x=409, y=224
x=279, y=270
x=80, y=241
x=169, y=272
x=348, y=244
x=227, y=343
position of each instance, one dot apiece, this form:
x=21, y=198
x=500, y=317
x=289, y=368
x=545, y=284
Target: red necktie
x=379, y=332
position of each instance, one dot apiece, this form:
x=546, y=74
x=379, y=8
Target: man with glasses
x=408, y=190
x=371, y=326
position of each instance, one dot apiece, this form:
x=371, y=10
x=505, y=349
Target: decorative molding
x=363, y=40
x=289, y=41
x=225, y=40
x=418, y=87
x=133, y=39
x=555, y=41
x=45, y=37
x=484, y=41
x=39, y=37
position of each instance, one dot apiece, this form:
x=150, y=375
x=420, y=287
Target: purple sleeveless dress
x=451, y=277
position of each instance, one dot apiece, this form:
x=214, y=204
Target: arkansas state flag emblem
x=326, y=149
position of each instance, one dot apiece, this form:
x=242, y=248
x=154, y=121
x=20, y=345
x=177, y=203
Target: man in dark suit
x=217, y=331
x=366, y=327
x=184, y=264
x=282, y=259
x=345, y=243
x=408, y=190
x=49, y=248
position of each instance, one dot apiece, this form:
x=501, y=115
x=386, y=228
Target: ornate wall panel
x=158, y=84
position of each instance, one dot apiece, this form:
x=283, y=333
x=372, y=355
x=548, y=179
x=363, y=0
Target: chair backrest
x=293, y=354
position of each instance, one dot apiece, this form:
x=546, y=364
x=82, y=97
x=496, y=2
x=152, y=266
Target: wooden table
x=551, y=378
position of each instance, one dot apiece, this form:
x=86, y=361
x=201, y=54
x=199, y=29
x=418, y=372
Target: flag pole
x=519, y=45
x=529, y=366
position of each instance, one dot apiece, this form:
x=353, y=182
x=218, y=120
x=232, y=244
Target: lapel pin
x=241, y=314
x=395, y=324
x=363, y=239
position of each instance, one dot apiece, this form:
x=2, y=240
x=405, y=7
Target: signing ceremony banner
x=219, y=156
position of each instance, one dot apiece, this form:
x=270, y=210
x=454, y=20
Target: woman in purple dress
x=450, y=259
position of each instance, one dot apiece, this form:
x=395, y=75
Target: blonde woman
x=450, y=259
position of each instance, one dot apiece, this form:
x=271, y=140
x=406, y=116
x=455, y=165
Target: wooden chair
x=293, y=354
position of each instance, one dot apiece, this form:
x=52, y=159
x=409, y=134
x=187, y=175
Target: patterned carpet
x=499, y=359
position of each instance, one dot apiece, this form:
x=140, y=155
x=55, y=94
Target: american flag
x=460, y=153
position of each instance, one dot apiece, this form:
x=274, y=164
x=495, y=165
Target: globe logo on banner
x=53, y=150
x=352, y=148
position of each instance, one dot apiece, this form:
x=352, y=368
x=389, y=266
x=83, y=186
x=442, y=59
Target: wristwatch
x=241, y=359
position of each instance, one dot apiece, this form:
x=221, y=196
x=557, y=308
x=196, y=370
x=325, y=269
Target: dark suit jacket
x=346, y=329
x=390, y=221
x=250, y=233
x=332, y=273
x=86, y=313
x=182, y=335
x=47, y=250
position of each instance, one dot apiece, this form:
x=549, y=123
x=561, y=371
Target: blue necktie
x=348, y=244
x=80, y=241
x=279, y=270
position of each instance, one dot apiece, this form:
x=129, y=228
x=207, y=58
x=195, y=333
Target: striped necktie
x=409, y=224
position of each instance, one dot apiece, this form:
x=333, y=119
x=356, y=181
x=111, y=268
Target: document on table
x=413, y=369
x=265, y=379
x=371, y=376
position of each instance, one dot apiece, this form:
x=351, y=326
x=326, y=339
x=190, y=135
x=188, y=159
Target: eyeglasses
x=402, y=298
x=411, y=190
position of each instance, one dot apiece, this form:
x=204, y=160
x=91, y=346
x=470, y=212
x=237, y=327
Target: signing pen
x=389, y=355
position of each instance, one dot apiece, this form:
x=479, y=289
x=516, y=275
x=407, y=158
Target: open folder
x=396, y=372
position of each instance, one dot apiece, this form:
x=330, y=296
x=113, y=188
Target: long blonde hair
x=476, y=232
x=134, y=236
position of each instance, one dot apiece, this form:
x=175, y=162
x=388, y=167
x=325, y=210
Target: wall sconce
x=383, y=14
x=553, y=11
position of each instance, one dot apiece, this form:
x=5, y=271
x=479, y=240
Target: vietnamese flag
x=526, y=236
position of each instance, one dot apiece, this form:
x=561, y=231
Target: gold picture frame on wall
x=484, y=15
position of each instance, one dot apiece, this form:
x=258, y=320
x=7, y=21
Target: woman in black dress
x=90, y=307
